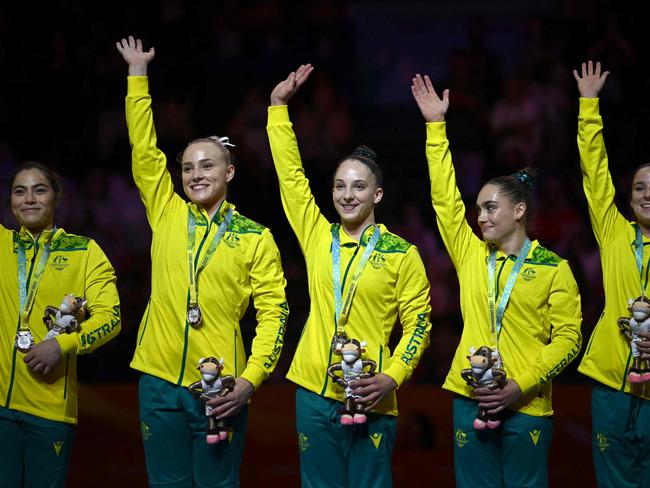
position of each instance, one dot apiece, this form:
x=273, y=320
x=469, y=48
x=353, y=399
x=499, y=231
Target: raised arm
x=149, y=164
x=606, y=220
x=445, y=197
x=299, y=205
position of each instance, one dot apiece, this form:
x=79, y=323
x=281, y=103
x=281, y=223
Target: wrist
x=137, y=70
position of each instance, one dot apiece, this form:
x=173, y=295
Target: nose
x=482, y=216
x=30, y=197
x=646, y=193
x=347, y=195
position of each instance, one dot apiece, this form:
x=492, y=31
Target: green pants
x=174, y=427
x=34, y=452
x=513, y=455
x=620, y=438
x=333, y=455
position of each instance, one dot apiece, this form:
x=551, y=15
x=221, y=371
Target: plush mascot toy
x=65, y=319
x=485, y=370
x=639, y=321
x=352, y=368
x=211, y=385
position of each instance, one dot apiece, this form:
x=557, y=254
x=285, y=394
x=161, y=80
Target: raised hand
x=135, y=57
x=591, y=81
x=432, y=107
x=286, y=89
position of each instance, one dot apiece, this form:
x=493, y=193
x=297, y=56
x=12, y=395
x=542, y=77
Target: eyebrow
x=24, y=187
x=199, y=161
x=355, y=181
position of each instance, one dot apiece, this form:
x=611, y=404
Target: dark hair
x=52, y=177
x=366, y=156
x=225, y=151
x=519, y=187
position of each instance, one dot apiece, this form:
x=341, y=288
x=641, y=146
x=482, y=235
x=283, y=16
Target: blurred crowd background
x=514, y=103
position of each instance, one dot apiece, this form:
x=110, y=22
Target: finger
x=372, y=405
x=445, y=95
x=584, y=69
x=219, y=410
x=29, y=356
x=499, y=409
x=575, y=75
x=590, y=67
x=131, y=42
x=38, y=368
x=597, y=69
x=489, y=405
x=429, y=85
x=118, y=45
x=230, y=411
x=419, y=84
x=47, y=370
x=604, y=76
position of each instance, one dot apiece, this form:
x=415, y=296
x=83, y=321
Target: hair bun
x=526, y=178
x=364, y=152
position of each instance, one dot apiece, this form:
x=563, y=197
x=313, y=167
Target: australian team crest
x=377, y=260
x=60, y=262
x=231, y=240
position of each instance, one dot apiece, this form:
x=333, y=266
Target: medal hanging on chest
x=486, y=365
x=638, y=321
x=342, y=309
x=24, y=340
x=24, y=337
x=194, y=314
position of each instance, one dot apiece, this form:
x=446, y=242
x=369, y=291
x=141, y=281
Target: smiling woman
x=181, y=326
x=517, y=298
x=352, y=306
x=38, y=389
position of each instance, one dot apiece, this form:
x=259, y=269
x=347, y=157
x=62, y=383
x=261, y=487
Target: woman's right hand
x=591, y=81
x=433, y=108
x=284, y=90
x=135, y=57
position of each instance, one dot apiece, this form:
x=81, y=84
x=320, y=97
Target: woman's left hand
x=643, y=345
x=44, y=356
x=373, y=389
x=497, y=400
x=231, y=403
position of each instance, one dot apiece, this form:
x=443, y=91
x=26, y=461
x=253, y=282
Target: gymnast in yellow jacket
x=39, y=264
x=517, y=297
x=207, y=262
x=620, y=409
x=362, y=279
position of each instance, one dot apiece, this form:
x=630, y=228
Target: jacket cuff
x=254, y=374
x=278, y=114
x=526, y=382
x=397, y=372
x=68, y=342
x=436, y=131
x=137, y=85
x=589, y=107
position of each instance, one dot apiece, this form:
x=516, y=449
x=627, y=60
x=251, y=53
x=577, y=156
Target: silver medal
x=24, y=340
x=194, y=315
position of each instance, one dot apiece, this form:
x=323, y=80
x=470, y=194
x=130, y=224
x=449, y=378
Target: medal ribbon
x=27, y=297
x=191, y=234
x=343, y=309
x=497, y=310
x=638, y=253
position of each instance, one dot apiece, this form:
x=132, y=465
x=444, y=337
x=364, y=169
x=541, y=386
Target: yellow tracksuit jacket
x=76, y=265
x=393, y=284
x=608, y=356
x=540, y=334
x=247, y=262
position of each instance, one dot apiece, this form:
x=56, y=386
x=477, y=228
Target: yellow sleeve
x=103, y=306
x=456, y=233
x=566, y=338
x=414, y=308
x=606, y=220
x=268, y=285
x=148, y=163
x=299, y=205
